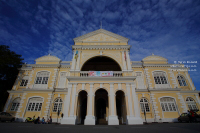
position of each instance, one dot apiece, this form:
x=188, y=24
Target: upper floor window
x=191, y=103
x=15, y=104
x=35, y=104
x=160, y=78
x=57, y=105
x=181, y=80
x=42, y=77
x=24, y=82
x=144, y=105
x=168, y=104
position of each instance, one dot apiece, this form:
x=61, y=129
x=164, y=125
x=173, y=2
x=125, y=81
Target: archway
x=121, y=107
x=101, y=63
x=101, y=107
x=81, y=107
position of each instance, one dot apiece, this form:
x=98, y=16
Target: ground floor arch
x=81, y=107
x=101, y=107
x=121, y=107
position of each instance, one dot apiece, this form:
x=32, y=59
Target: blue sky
x=168, y=28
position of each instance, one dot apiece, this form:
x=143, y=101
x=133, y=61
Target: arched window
x=24, y=81
x=191, y=104
x=57, y=105
x=35, y=104
x=144, y=105
x=42, y=78
x=160, y=78
x=15, y=104
x=181, y=80
x=168, y=104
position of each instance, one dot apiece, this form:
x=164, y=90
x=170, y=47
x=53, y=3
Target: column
x=78, y=61
x=8, y=102
x=66, y=105
x=124, y=62
x=128, y=61
x=112, y=118
x=90, y=119
x=137, y=118
x=73, y=61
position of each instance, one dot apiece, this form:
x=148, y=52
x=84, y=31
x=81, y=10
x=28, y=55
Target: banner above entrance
x=101, y=73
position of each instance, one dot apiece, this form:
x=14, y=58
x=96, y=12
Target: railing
x=115, y=74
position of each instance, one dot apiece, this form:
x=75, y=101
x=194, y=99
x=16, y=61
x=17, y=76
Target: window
x=24, y=82
x=168, y=104
x=42, y=78
x=191, y=103
x=160, y=78
x=15, y=104
x=181, y=81
x=35, y=104
x=144, y=105
x=57, y=105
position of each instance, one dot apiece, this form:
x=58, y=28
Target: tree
x=9, y=64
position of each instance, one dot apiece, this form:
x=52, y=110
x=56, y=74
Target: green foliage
x=9, y=64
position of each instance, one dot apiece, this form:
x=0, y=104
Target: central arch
x=101, y=106
x=101, y=63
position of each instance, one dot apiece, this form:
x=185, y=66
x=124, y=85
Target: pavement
x=55, y=128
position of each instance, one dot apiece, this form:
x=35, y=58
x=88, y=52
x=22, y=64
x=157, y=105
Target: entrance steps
x=102, y=122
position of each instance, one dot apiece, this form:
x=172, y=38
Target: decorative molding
x=101, y=47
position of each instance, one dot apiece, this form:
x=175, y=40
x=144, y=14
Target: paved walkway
x=53, y=128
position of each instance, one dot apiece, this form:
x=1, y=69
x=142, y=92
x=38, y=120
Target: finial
x=101, y=25
x=152, y=54
x=49, y=54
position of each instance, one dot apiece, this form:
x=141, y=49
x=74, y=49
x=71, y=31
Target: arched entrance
x=101, y=63
x=101, y=107
x=121, y=107
x=81, y=107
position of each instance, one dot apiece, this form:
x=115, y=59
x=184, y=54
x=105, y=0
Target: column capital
x=111, y=85
x=111, y=95
x=92, y=94
x=128, y=84
x=75, y=83
x=69, y=85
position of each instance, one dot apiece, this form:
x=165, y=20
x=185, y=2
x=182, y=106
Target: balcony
x=114, y=76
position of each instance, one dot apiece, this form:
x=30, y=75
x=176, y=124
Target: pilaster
x=66, y=105
x=8, y=103
x=73, y=61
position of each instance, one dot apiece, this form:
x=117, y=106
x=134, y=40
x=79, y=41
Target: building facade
x=101, y=85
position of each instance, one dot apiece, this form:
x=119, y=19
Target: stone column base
x=69, y=120
x=113, y=120
x=131, y=120
x=89, y=120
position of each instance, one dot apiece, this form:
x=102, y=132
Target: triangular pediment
x=101, y=35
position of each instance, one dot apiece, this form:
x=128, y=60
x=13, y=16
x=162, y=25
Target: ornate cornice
x=101, y=47
x=44, y=65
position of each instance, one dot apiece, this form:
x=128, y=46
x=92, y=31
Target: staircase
x=102, y=122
